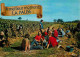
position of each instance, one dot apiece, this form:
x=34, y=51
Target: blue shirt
x=41, y=25
x=63, y=33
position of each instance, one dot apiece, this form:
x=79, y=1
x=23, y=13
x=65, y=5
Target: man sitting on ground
x=36, y=41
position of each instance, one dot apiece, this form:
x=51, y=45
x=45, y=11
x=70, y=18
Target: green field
x=14, y=51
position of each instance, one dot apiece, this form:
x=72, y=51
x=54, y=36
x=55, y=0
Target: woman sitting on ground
x=52, y=41
x=26, y=43
x=55, y=33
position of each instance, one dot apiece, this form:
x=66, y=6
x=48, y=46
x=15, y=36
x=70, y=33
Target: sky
x=68, y=10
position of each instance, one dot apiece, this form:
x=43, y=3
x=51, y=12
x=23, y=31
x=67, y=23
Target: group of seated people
x=45, y=39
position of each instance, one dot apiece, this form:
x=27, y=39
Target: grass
x=16, y=44
x=47, y=52
x=40, y=53
x=15, y=55
x=11, y=48
x=8, y=49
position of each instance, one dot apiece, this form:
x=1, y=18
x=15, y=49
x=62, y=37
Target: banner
x=21, y=10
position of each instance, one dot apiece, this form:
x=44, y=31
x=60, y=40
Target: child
x=26, y=43
x=52, y=41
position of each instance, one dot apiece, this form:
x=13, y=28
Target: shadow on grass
x=17, y=48
x=2, y=43
x=12, y=49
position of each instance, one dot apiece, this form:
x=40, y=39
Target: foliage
x=78, y=38
x=28, y=27
x=54, y=20
x=60, y=20
x=19, y=18
x=76, y=21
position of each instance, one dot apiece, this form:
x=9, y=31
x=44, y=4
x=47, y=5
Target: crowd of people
x=45, y=38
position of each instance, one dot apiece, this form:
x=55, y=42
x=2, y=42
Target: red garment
x=46, y=33
x=52, y=41
x=38, y=37
x=55, y=33
x=43, y=37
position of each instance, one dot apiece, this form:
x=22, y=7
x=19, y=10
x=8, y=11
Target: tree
x=54, y=20
x=76, y=21
x=60, y=20
x=19, y=18
x=0, y=17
